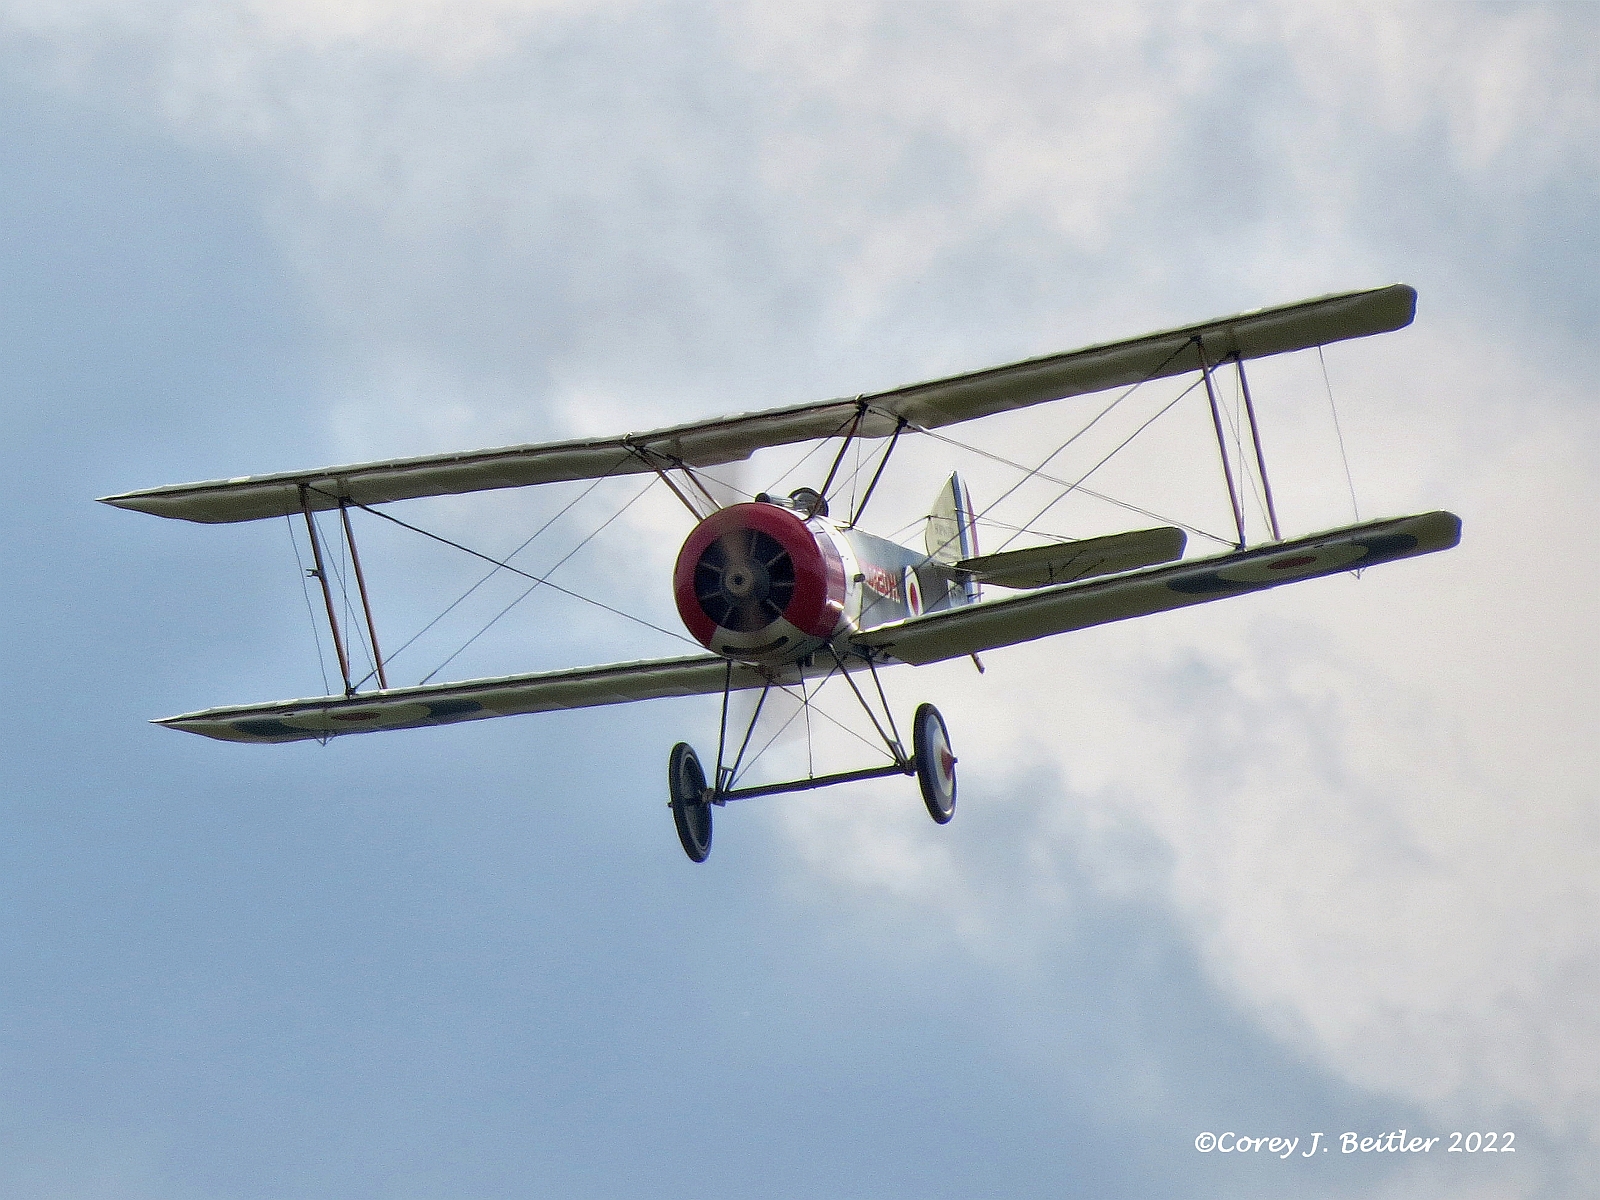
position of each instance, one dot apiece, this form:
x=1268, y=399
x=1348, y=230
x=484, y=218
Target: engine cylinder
x=757, y=583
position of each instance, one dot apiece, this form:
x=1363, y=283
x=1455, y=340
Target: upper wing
x=951, y=633
x=1255, y=334
x=323, y=717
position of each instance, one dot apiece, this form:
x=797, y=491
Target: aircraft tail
x=951, y=535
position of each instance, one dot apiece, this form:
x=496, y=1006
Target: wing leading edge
x=1256, y=334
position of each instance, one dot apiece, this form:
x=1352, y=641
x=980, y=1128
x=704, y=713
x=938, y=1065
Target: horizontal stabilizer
x=323, y=717
x=1067, y=562
x=1257, y=334
x=952, y=633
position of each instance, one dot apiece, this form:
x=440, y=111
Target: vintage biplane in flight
x=781, y=592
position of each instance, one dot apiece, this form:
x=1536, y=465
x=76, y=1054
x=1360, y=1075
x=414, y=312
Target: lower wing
x=952, y=633
x=949, y=633
x=323, y=717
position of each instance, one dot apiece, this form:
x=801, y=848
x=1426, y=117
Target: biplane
x=781, y=592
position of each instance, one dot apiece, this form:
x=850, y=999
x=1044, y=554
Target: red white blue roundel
x=912, y=592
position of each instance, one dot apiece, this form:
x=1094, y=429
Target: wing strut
x=1255, y=436
x=366, y=606
x=321, y=572
x=649, y=457
x=855, y=426
x=877, y=475
x=1222, y=441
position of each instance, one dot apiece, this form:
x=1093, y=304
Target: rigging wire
x=592, y=535
x=507, y=566
x=316, y=637
x=821, y=712
x=1134, y=508
x=1163, y=412
x=855, y=475
x=337, y=566
x=350, y=621
x=1348, y=478
x=1235, y=424
x=805, y=704
x=799, y=462
x=1256, y=477
x=495, y=570
x=1038, y=470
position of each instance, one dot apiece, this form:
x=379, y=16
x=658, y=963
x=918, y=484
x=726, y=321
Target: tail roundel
x=951, y=535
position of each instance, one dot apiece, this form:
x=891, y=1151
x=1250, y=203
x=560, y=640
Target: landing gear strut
x=930, y=761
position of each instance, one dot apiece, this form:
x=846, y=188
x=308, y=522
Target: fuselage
x=770, y=582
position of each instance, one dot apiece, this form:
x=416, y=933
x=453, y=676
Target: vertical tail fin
x=952, y=533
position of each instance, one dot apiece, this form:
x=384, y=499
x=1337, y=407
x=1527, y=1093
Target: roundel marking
x=1258, y=572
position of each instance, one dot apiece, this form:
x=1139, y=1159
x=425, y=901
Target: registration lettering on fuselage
x=881, y=581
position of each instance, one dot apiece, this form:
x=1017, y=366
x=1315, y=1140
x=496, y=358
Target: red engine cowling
x=757, y=583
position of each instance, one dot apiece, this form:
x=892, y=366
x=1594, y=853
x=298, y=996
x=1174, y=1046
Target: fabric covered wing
x=1258, y=334
x=955, y=632
x=1255, y=334
x=1066, y=562
x=444, y=704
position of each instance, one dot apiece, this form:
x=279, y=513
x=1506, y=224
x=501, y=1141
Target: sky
x=1319, y=860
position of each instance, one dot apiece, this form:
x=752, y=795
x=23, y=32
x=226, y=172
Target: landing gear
x=690, y=811
x=931, y=761
x=936, y=766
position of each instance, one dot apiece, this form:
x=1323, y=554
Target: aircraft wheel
x=936, y=765
x=690, y=812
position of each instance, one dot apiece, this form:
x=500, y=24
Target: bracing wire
x=855, y=476
x=1339, y=433
x=1090, y=492
x=1038, y=470
x=805, y=704
x=821, y=712
x=798, y=463
x=495, y=570
x=545, y=580
x=508, y=567
x=1257, y=486
x=1117, y=450
x=351, y=621
x=1235, y=423
x=316, y=637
